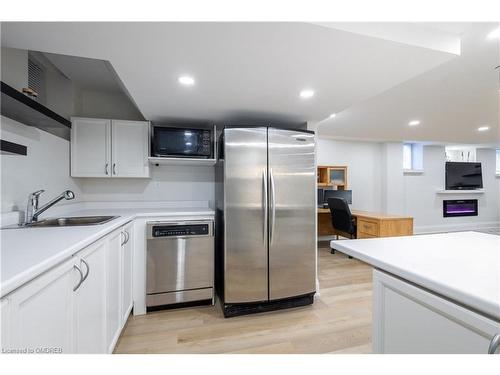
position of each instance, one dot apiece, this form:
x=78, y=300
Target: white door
x=126, y=261
x=90, y=147
x=42, y=312
x=113, y=288
x=90, y=300
x=130, y=148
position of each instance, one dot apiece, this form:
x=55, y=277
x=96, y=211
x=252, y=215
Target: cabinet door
x=90, y=147
x=42, y=312
x=408, y=319
x=90, y=301
x=126, y=261
x=130, y=148
x=6, y=322
x=113, y=288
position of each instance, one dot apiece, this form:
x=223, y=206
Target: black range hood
x=19, y=107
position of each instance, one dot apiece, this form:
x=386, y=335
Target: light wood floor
x=339, y=321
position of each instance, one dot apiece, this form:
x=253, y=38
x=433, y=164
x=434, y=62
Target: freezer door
x=292, y=214
x=245, y=210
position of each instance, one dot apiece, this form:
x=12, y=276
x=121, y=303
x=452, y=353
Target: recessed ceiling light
x=186, y=80
x=483, y=128
x=306, y=94
x=495, y=34
x=414, y=123
x=332, y=115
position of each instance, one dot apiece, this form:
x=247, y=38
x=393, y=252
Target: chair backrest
x=341, y=214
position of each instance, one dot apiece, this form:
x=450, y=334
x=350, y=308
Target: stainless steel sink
x=65, y=222
x=72, y=221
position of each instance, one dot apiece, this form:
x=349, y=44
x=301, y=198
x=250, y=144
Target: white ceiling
x=376, y=76
x=451, y=101
x=242, y=70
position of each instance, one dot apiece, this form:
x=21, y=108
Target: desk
x=369, y=224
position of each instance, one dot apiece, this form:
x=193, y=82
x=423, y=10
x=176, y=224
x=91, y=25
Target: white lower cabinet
x=79, y=306
x=41, y=312
x=126, y=271
x=408, y=319
x=113, y=316
x=90, y=300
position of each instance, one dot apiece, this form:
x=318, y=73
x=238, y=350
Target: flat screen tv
x=463, y=176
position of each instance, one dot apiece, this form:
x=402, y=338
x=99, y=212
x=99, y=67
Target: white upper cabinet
x=90, y=147
x=109, y=148
x=130, y=151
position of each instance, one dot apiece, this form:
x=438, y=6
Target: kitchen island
x=437, y=293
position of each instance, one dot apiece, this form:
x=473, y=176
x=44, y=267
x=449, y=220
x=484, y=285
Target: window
x=413, y=157
x=498, y=162
x=407, y=156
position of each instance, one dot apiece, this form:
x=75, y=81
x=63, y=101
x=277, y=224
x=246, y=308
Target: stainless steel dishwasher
x=180, y=262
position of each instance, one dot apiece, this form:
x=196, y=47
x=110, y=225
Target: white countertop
x=462, y=266
x=28, y=252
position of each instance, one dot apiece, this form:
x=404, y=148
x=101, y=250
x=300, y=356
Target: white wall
x=114, y=105
x=364, y=162
x=376, y=178
x=46, y=166
x=422, y=202
x=14, y=67
x=167, y=183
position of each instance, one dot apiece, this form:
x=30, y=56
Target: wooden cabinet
x=368, y=224
x=109, y=148
x=90, y=300
x=79, y=306
x=408, y=319
x=41, y=312
x=332, y=176
x=126, y=272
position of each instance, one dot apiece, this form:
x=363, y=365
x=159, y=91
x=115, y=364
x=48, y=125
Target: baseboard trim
x=428, y=229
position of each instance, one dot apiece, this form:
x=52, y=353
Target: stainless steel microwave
x=182, y=142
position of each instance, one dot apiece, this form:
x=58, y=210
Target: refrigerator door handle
x=273, y=206
x=265, y=207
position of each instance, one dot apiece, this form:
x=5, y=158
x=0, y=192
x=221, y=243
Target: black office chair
x=342, y=219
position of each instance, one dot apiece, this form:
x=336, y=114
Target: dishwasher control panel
x=180, y=230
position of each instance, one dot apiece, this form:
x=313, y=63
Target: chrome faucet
x=32, y=211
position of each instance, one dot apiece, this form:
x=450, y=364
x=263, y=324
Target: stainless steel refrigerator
x=266, y=219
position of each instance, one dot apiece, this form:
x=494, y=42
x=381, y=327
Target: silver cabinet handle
x=265, y=207
x=106, y=169
x=81, y=277
x=114, y=168
x=128, y=236
x=273, y=206
x=495, y=341
x=124, y=239
x=88, y=269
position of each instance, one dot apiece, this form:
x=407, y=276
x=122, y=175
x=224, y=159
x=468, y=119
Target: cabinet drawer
x=361, y=235
x=368, y=227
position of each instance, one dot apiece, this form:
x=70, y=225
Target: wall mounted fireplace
x=462, y=207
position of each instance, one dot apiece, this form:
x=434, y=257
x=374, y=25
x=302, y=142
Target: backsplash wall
x=47, y=166
x=167, y=183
